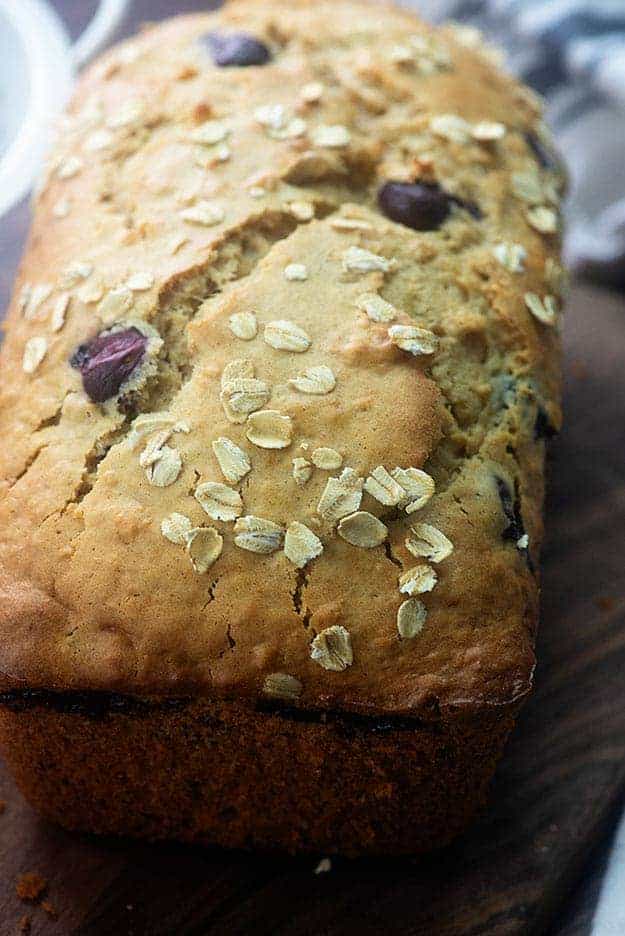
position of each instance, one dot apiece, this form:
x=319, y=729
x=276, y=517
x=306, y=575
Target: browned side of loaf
x=231, y=776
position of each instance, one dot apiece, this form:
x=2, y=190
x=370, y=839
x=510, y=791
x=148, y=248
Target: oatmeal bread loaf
x=277, y=378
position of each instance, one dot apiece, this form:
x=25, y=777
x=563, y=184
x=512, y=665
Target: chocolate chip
x=107, y=361
x=422, y=206
x=543, y=427
x=238, y=49
x=511, y=507
x=546, y=156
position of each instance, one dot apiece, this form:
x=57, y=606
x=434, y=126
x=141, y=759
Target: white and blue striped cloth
x=572, y=52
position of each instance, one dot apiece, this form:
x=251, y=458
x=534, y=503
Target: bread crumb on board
x=30, y=886
x=48, y=907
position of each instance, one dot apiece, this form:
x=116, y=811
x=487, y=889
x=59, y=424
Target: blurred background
x=548, y=857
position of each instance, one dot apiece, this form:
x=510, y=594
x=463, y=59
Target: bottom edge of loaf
x=220, y=773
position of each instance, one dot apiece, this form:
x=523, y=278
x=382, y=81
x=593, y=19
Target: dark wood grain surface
x=556, y=794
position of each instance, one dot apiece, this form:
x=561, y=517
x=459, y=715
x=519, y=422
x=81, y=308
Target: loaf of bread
x=276, y=383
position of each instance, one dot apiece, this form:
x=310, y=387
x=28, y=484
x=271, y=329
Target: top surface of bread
x=179, y=195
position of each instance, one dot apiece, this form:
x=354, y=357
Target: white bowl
x=37, y=67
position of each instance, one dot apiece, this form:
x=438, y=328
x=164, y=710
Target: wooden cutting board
x=562, y=774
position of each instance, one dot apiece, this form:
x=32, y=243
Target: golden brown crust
x=91, y=593
x=218, y=773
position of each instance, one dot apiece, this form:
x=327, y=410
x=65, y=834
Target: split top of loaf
x=279, y=368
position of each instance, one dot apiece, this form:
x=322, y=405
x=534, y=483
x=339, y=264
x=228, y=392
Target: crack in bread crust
x=184, y=234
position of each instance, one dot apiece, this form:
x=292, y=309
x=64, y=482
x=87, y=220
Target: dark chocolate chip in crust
x=236, y=49
x=543, y=427
x=514, y=529
x=546, y=156
x=107, y=361
x=422, y=206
